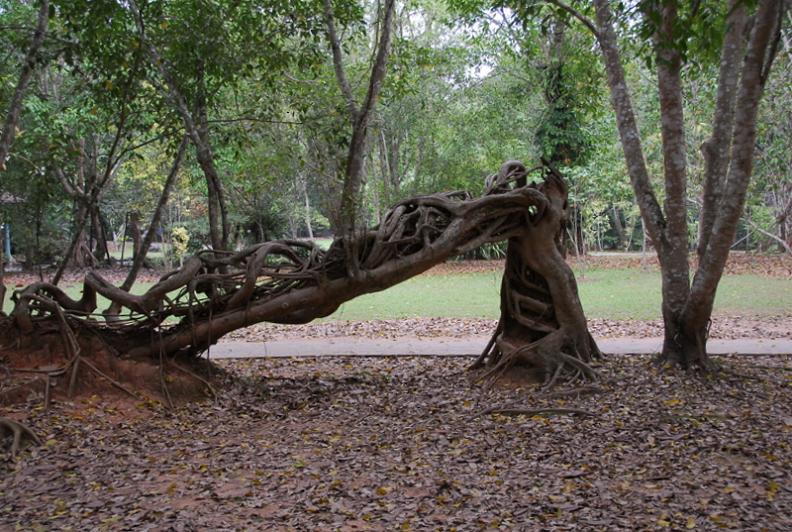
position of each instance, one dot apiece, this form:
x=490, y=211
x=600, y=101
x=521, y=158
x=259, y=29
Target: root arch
x=542, y=323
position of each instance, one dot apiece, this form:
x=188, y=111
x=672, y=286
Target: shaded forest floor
x=391, y=443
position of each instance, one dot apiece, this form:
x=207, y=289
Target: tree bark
x=717, y=149
x=699, y=306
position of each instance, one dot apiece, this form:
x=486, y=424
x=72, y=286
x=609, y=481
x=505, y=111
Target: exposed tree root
x=518, y=411
x=574, y=392
x=19, y=433
x=57, y=375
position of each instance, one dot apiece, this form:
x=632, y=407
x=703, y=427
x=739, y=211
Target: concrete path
x=340, y=346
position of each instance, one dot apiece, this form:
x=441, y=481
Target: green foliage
x=180, y=239
x=470, y=83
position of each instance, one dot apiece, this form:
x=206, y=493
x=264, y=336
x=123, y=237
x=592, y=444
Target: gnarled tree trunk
x=542, y=322
x=216, y=292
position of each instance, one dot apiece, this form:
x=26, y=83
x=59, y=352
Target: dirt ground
x=394, y=444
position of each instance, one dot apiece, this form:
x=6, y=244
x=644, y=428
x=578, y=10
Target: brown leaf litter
x=390, y=444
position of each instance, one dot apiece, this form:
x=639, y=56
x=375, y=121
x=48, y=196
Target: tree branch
x=651, y=213
x=380, y=64
x=578, y=15
x=774, y=47
x=717, y=149
x=357, y=146
x=15, y=106
x=770, y=235
x=735, y=187
x=338, y=61
x=68, y=187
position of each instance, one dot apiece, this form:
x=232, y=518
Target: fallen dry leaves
x=390, y=444
x=723, y=327
x=739, y=263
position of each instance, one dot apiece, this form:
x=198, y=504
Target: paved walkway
x=440, y=346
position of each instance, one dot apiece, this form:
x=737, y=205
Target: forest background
x=469, y=85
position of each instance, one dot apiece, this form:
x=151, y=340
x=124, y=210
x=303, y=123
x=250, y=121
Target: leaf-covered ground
x=723, y=327
x=391, y=443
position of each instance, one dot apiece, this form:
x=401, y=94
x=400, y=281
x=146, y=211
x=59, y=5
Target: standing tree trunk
x=78, y=237
x=755, y=70
x=133, y=219
x=99, y=250
x=139, y=255
x=675, y=242
x=196, y=126
x=542, y=324
x=304, y=189
x=219, y=228
x=359, y=117
x=621, y=235
x=687, y=307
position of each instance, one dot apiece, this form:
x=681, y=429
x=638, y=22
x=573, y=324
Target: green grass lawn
x=613, y=294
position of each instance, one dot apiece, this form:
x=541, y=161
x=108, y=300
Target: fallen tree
x=542, y=325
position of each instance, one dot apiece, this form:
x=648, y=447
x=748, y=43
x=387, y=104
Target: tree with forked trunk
x=359, y=115
x=542, y=323
x=749, y=44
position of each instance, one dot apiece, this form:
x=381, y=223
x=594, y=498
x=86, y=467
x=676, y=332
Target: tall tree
x=201, y=50
x=687, y=307
x=195, y=120
x=359, y=114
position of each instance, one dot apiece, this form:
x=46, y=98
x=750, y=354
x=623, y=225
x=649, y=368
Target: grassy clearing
x=610, y=294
